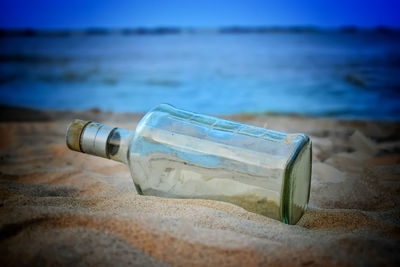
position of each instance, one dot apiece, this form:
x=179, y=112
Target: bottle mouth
x=74, y=132
x=89, y=137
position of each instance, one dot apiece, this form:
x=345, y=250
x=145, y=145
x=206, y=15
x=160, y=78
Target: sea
x=348, y=75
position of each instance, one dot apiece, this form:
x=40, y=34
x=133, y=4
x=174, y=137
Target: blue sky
x=67, y=14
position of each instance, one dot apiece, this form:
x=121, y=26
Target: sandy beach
x=59, y=207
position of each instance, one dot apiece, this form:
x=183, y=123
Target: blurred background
x=336, y=59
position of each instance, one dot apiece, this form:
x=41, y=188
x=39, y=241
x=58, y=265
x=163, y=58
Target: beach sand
x=59, y=207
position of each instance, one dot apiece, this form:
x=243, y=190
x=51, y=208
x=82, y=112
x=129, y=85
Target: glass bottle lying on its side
x=179, y=154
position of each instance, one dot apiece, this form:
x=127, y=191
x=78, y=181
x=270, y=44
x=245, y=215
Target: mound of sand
x=67, y=208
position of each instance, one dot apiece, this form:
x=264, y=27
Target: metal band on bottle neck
x=94, y=139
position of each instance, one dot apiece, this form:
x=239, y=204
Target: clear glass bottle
x=180, y=154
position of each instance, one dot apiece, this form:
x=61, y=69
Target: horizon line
x=139, y=30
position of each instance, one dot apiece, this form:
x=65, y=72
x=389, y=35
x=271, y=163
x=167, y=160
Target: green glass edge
x=287, y=183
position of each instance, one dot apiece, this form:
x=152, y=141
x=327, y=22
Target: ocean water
x=336, y=74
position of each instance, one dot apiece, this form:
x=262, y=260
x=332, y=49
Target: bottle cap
x=74, y=133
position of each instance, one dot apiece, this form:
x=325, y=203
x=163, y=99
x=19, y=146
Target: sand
x=66, y=208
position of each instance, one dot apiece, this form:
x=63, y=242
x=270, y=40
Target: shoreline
x=25, y=114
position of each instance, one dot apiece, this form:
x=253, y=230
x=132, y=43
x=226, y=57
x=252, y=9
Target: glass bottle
x=180, y=154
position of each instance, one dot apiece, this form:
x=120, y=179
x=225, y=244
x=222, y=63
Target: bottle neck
x=105, y=141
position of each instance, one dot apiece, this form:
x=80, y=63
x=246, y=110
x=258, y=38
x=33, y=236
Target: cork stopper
x=74, y=133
